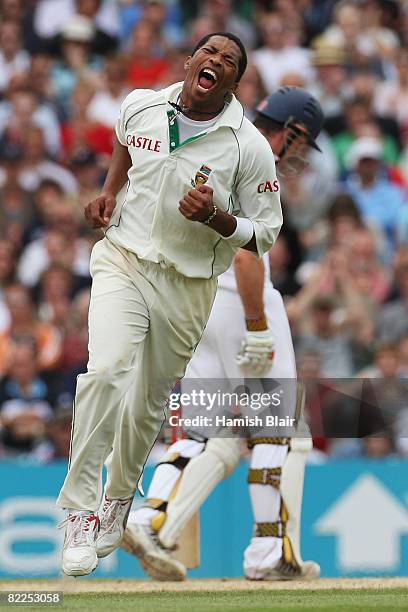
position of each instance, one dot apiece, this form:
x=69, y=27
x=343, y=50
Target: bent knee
x=109, y=375
x=228, y=450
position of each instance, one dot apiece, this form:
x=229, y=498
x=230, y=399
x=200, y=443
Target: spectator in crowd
x=16, y=214
x=330, y=86
x=379, y=200
x=163, y=15
x=75, y=353
x=391, y=96
x=12, y=10
x=403, y=356
x=26, y=400
x=36, y=167
x=14, y=60
x=146, y=66
x=390, y=389
x=46, y=198
x=40, y=82
x=359, y=122
x=376, y=446
x=11, y=156
x=77, y=60
x=61, y=242
x=370, y=278
x=8, y=261
x=105, y=38
x=24, y=322
x=88, y=169
x=22, y=111
x=359, y=33
x=392, y=321
x=283, y=261
x=105, y=103
x=56, y=288
x=175, y=71
x=251, y=90
x=198, y=28
x=276, y=53
x=50, y=16
x=328, y=340
x=310, y=374
x=225, y=20
x=80, y=131
x=58, y=436
x=167, y=33
x=329, y=317
x=344, y=220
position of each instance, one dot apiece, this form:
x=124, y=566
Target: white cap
x=78, y=28
x=361, y=148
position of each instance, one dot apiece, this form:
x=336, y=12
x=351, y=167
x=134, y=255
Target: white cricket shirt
x=242, y=174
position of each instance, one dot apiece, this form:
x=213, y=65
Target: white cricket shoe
x=141, y=541
x=113, y=515
x=308, y=570
x=79, y=556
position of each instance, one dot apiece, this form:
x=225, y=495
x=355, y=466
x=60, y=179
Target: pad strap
x=270, y=530
x=265, y=476
x=175, y=459
x=254, y=441
x=156, y=504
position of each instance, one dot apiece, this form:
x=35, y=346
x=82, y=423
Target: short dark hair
x=242, y=64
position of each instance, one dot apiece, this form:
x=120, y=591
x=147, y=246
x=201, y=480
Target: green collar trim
x=174, y=135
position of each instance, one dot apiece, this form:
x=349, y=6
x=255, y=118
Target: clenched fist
x=99, y=211
x=197, y=204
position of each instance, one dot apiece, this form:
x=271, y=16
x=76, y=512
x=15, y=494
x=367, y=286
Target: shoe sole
x=157, y=567
x=79, y=571
x=311, y=572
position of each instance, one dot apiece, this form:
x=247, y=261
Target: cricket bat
x=188, y=544
x=188, y=550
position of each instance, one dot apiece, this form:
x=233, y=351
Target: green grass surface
x=236, y=601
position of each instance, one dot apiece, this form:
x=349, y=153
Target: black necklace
x=185, y=109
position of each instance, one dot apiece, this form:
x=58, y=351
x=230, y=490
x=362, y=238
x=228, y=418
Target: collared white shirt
x=242, y=175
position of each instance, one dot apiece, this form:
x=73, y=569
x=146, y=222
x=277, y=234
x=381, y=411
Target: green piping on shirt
x=174, y=136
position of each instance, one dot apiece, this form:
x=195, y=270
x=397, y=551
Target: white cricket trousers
x=144, y=324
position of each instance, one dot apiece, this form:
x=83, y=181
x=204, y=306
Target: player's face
x=211, y=73
x=293, y=157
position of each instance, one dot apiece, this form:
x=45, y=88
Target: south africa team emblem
x=201, y=176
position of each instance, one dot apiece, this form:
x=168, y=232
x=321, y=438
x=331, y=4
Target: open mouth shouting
x=207, y=79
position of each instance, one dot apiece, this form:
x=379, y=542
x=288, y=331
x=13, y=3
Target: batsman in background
x=246, y=306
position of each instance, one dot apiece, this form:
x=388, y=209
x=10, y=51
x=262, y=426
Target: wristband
x=211, y=216
x=243, y=232
x=255, y=325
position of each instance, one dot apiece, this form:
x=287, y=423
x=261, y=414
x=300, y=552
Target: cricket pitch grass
x=224, y=595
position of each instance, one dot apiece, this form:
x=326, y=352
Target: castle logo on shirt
x=143, y=142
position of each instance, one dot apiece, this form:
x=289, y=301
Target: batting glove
x=257, y=352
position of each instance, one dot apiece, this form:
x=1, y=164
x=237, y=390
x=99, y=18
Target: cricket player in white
x=248, y=332
x=175, y=210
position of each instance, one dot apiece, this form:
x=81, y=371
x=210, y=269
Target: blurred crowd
x=341, y=261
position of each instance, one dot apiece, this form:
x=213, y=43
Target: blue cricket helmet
x=294, y=103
